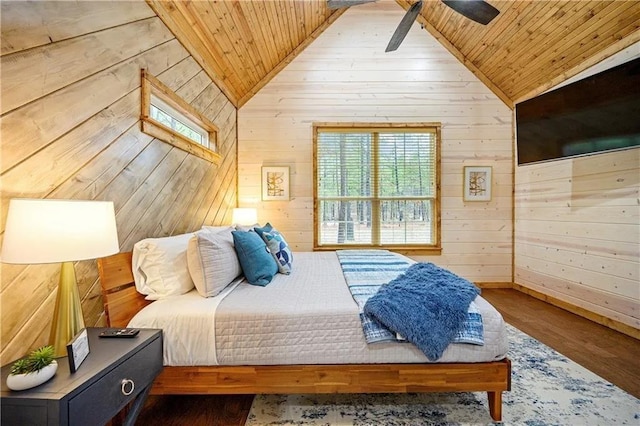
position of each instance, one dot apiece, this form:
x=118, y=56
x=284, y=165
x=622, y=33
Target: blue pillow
x=258, y=265
x=277, y=246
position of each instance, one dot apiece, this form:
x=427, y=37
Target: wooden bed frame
x=122, y=301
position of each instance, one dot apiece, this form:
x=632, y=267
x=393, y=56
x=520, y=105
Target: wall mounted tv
x=595, y=114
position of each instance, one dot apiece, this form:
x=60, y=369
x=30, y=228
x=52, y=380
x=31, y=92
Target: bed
x=295, y=363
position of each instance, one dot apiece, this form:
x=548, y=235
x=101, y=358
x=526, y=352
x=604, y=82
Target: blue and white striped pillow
x=278, y=247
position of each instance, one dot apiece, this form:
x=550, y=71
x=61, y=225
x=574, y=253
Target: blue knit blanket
x=367, y=271
x=427, y=305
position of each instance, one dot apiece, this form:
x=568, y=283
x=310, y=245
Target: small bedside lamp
x=53, y=231
x=244, y=216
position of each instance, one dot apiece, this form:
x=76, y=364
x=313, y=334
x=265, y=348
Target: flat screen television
x=595, y=114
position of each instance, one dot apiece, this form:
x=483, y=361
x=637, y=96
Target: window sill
x=157, y=130
x=405, y=250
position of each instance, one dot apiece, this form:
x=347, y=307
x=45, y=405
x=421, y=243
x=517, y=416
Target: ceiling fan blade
x=404, y=26
x=476, y=10
x=338, y=4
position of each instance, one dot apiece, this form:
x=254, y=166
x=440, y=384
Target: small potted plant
x=33, y=370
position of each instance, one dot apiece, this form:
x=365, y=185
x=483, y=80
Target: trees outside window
x=376, y=185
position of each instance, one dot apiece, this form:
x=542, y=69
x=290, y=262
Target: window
x=165, y=114
x=168, y=117
x=377, y=186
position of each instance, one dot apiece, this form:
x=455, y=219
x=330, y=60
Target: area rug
x=547, y=389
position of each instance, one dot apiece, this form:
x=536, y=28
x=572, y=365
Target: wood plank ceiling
x=529, y=47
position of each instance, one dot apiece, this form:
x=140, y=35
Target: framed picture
x=77, y=350
x=275, y=183
x=477, y=183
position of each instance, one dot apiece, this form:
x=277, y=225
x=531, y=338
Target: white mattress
x=308, y=317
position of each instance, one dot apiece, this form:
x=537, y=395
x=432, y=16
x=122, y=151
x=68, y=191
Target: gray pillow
x=213, y=263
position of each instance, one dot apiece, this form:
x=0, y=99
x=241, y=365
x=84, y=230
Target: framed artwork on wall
x=477, y=183
x=275, y=183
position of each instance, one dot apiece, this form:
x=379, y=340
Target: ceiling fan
x=477, y=10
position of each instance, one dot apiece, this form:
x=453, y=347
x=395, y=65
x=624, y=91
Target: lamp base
x=67, y=316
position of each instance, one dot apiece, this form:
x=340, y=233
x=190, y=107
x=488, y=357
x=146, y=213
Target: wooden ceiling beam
x=459, y=55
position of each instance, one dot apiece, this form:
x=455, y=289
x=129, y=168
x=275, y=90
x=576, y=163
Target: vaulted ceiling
x=529, y=47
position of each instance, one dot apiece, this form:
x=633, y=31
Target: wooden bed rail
x=122, y=302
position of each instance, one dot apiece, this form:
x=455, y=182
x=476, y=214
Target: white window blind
x=376, y=187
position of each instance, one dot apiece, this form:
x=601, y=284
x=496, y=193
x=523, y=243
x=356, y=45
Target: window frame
x=415, y=249
x=151, y=87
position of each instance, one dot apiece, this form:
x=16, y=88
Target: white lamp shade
x=53, y=231
x=244, y=216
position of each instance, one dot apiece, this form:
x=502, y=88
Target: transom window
x=377, y=186
x=168, y=117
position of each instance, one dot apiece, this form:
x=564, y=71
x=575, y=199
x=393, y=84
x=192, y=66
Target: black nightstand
x=115, y=373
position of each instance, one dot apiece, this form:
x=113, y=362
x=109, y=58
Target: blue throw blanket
x=427, y=305
x=366, y=271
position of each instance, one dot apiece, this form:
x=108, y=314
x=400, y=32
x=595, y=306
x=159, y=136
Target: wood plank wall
x=577, y=232
x=70, y=129
x=345, y=75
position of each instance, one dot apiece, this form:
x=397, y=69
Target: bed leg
x=495, y=405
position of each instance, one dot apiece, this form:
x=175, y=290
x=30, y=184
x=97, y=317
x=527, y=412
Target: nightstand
x=117, y=371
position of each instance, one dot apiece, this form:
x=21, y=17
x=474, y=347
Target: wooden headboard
x=119, y=295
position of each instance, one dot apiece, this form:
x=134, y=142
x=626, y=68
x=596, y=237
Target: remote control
x=120, y=332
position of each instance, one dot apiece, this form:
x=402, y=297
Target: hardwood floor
x=611, y=355
x=196, y=410
x=608, y=353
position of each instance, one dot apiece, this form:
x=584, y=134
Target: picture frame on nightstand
x=78, y=349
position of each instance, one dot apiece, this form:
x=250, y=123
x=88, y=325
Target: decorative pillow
x=278, y=247
x=258, y=265
x=213, y=263
x=160, y=266
x=266, y=228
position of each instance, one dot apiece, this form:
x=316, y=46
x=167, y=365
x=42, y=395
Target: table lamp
x=60, y=231
x=244, y=216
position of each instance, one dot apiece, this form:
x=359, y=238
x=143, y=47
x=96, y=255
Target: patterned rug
x=547, y=389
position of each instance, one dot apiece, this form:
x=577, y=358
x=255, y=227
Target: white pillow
x=247, y=228
x=160, y=266
x=215, y=229
x=213, y=262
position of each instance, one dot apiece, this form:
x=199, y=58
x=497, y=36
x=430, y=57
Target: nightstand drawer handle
x=127, y=384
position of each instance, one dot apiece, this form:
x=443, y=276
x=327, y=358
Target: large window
x=377, y=186
x=170, y=118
